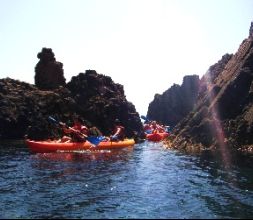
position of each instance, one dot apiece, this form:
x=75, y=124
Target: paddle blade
x=143, y=117
x=95, y=140
x=52, y=119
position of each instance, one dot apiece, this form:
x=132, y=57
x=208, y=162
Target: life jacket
x=82, y=128
x=154, y=128
x=146, y=127
x=160, y=129
x=77, y=137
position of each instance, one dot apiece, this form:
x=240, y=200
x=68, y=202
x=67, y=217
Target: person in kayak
x=77, y=133
x=147, y=128
x=160, y=128
x=94, y=131
x=153, y=127
x=118, y=132
x=156, y=128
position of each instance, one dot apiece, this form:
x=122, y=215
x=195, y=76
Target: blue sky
x=145, y=45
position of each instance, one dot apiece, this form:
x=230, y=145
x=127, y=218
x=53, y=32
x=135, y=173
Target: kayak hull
x=53, y=146
x=156, y=137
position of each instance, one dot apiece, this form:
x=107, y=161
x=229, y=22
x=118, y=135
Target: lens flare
x=216, y=126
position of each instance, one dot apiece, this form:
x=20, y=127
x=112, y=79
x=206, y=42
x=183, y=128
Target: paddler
x=118, y=132
x=78, y=132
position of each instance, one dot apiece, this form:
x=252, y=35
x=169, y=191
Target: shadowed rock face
x=25, y=108
x=175, y=103
x=223, y=115
x=23, y=105
x=48, y=72
x=102, y=101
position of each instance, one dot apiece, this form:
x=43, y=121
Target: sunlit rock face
x=223, y=116
x=175, y=103
x=48, y=72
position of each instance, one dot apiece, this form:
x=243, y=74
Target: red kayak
x=53, y=146
x=156, y=137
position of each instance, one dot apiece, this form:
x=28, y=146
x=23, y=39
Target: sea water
x=145, y=181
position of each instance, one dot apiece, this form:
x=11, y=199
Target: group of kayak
x=155, y=132
x=79, y=137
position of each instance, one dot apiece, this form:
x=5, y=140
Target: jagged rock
x=24, y=109
x=175, y=103
x=208, y=79
x=24, y=106
x=102, y=101
x=48, y=72
x=223, y=115
x=251, y=30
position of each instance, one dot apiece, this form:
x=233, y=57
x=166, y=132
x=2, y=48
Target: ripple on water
x=146, y=181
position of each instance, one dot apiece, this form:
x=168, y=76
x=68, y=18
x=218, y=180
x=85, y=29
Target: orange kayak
x=156, y=137
x=53, y=146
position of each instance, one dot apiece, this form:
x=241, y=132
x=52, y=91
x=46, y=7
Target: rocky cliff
x=24, y=108
x=175, y=103
x=251, y=30
x=223, y=115
x=48, y=72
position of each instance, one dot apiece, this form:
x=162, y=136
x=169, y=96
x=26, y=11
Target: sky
x=145, y=45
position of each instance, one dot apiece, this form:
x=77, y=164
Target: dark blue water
x=146, y=181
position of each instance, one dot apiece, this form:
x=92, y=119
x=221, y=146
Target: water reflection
x=225, y=191
x=146, y=181
x=85, y=156
x=79, y=164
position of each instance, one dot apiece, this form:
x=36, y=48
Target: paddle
x=144, y=118
x=93, y=140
